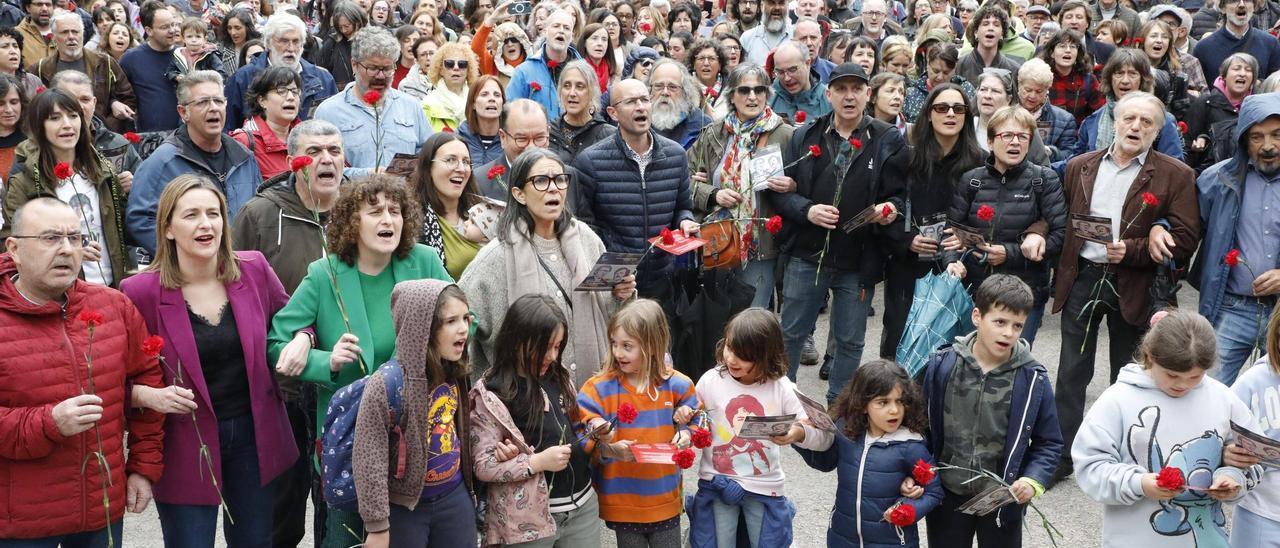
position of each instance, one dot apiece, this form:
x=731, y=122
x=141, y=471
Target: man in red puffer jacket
x=53, y=416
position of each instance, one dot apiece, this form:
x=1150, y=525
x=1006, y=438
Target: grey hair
x=1004, y=76
x=282, y=22
x=374, y=40
x=68, y=77
x=739, y=74
x=971, y=4
x=803, y=49
x=1137, y=96
x=1271, y=84
x=658, y=4
x=1050, y=28
x=1243, y=58
x=15, y=225
x=688, y=84
x=67, y=16
x=1036, y=71
x=194, y=78
x=593, y=82
x=311, y=128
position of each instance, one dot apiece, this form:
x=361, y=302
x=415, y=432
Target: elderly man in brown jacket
x=116, y=102
x=1134, y=186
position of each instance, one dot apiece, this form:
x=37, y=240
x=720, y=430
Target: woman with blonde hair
x=452, y=70
x=650, y=23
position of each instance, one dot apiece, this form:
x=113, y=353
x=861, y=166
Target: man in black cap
x=849, y=190
x=1032, y=19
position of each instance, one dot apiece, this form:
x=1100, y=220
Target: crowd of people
x=269, y=256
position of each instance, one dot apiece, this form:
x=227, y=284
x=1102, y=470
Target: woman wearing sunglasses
x=453, y=69
x=500, y=44
x=541, y=248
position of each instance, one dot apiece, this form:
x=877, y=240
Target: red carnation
x=1150, y=199
x=923, y=472
x=496, y=171
x=535, y=86
x=63, y=170
x=684, y=459
x=701, y=438
x=774, y=224
x=1137, y=42
x=711, y=92
x=552, y=64
x=667, y=237
x=152, y=345
x=815, y=151
x=1232, y=258
x=800, y=116
x=1182, y=127
x=856, y=143
x=886, y=211
x=903, y=515
x=1097, y=67
x=986, y=213
x=299, y=163
x=40, y=89
x=627, y=413
x=91, y=317
x=372, y=97
x=645, y=27
x=132, y=137
x=1170, y=478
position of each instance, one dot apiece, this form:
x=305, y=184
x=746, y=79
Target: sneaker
x=809, y=355
x=824, y=372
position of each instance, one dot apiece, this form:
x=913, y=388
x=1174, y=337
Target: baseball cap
x=848, y=70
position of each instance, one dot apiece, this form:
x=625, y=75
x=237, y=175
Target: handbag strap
x=568, y=297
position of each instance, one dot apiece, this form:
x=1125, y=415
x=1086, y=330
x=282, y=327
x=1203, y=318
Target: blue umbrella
x=940, y=311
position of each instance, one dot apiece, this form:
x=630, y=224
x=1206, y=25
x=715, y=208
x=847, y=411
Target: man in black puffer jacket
x=633, y=185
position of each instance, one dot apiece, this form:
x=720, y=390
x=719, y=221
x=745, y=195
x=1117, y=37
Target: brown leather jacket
x=109, y=83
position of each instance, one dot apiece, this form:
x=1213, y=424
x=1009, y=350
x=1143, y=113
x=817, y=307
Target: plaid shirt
x=1069, y=93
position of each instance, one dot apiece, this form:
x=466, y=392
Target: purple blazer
x=255, y=298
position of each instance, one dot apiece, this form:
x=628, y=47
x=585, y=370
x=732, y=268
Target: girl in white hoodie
x=1164, y=413
x=1256, y=523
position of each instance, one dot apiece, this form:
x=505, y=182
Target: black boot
x=824, y=372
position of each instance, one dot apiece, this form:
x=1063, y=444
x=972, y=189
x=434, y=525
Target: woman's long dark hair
x=873, y=380
x=517, y=215
x=425, y=188
x=521, y=343
x=926, y=152
x=41, y=109
x=246, y=18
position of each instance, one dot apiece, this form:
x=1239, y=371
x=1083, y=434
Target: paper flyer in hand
x=969, y=237
x=402, y=165
x=653, y=453
x=1092, y=228
x=932, y=227
x=117, y=157
x=765, y=163
x=682, y=244
x=987, y=501
x=864, y=217
x=763, y=428
x=816, y=412
x=609, y=270
x=1265, y=448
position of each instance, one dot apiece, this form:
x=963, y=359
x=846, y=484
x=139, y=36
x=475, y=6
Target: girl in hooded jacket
x=1256, y=522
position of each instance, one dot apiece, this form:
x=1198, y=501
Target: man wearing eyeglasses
x=55, y=416
x=284, y=35
x=116, y=103
x=522, y=124
x=794, y=87
x=396, y=124
x=1237, y=35
x=537, y=76
x=145, y=66
x=676, y=112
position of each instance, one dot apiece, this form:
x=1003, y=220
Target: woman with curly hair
x=453, y=68
x=707, y=63
x=371, y=247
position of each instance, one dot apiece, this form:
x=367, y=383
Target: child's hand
x=1239, y=457
x=910, y=489
x=602, y=430
x=505, y=451
x=794, y=435
x=551, y=459
x=620, y=450
x=1022, y=491
x=1153, y=491
x=682, y=439
x=682, y=415
x=1223, y=489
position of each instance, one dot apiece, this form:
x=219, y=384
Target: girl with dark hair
x=541, y=248
x=335, y=52
x=446, y=189
x=251, y=50
x=12, y=64
x=613, y=25
x=879, y=425
x=61, y=161
x=1075, y=88
x=596, y=50
x=236, y=30
x=943, y=145
x=13, y=98
x=940, y=68
x=119, y=39
x=272, y=100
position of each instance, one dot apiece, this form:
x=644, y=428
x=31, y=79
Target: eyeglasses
x=705, y=59
x=1014, y=137
x=634, y=101
x=452, y=162
x=386, y=71
x=54, y=239
x=943, y=108
x=1230, y=2
x=288, y=92
x=731, y=49
x=205, y=102
x=748, y=90
x=542, y=183
x=524, y=140
x=789, y=72
x=661, y=86
x=460, y=64
x=875, y=14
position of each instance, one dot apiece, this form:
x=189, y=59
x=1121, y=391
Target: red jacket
x=42, y=363
x=271, y=153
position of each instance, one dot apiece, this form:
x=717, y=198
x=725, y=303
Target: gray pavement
x=1077, y=516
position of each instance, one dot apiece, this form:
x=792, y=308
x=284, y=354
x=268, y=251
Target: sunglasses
x=943, y=108
x=747, y=90
x=458, y=64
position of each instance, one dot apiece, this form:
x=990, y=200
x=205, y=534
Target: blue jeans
x=1035, y=318
x=1242, y=327
x=444, y=520
x=759, y=274
x=801, y=300
x=87, y=539
x=727, y=521
x=249, y=503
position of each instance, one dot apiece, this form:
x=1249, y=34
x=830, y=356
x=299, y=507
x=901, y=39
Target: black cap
x=848, y=70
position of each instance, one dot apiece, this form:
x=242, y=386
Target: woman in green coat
x=369, y=252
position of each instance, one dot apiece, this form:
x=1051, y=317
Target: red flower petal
x=645, y=27
x=153, y=345
x=667, y=236
x=627, y=413
x=496, y=171
x=552, y=64
x=815, y=151
x=701, y=438
x=1182, y=127
x=535, y=86
x=856, y=143
x=903, y=515
x=986, y=213
x=774, y=224
x=683, y=458
x=91, y=317
x=1150, y=199
x=886, y=211
x=62, y=171
x=1232, y=258
x=299, y=162
x=1170, y=478
x=132, y=137
x=801, y=116
x=922, y=472
x=372, y=97
x=1097, y=67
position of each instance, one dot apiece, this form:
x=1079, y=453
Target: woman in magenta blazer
x=213, y=307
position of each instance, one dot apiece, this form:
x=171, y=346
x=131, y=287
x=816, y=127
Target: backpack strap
x=971, y=190
x=393, y=381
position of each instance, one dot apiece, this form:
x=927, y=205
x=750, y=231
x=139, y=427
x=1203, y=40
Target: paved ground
x=1075, y=515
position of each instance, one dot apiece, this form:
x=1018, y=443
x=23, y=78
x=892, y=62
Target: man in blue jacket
x=676, y=112
x=1237, y=36
x=284, y=36
x=536, y=77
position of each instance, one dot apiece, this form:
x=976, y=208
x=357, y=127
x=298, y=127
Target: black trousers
x=1088, y=304
x=951, y=529
x=300, y=482
x=899, y=293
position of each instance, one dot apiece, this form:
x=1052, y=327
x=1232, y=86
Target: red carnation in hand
x=1182, y=127
x=91, y=317
x=535, y=86
x=667, y=237
x=774, y=224
x=986, y=213
x=1171, y=479
x=299, y=163
x=132, y=137
x=645, y=27
x=711, y=92
x=886, y=211
x=627, y=413
x=923, y=472
x=1150, y=199
x=372, y=97
x=856, y=143
x=63, y=171
x=1232, y=258
x=800, y=116
x=815, y=151
x=496, y=171
x=153, y=345
x=903, y=515
x=701, y=438
x=683, y=458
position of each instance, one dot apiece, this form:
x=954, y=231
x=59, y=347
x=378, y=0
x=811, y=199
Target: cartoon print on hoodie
x=1197, y=458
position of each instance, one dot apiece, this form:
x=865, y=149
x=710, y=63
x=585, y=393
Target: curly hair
x=754, y=335
x=456, y=49
x=877, y=379
x=343, y=231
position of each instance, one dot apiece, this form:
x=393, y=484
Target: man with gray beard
x=676, y=113
x=774, y=29
x=284, y=36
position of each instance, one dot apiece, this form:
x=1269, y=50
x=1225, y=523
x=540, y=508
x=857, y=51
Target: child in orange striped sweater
x=640, y=502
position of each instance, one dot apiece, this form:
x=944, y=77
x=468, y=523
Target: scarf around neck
x=735, y=170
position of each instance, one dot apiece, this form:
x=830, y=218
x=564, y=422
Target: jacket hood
x=280, y=191
x=511, y=30
x=897, y=436
x=1021, y=353
x=635, y=55
x=413, y=310
x=1134, y=375
x=1253, y=110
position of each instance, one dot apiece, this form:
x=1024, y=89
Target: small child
x=878, y=418
x=739, y=475
x=1257, y=519
x=1151, y=447
x=196, y=52
x=990, y=408
x=640, y=502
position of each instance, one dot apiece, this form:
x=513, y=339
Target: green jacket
x=314, y=305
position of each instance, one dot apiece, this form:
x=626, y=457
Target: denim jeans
x=850, y=302
x=87, y=539
x=1241, y=327
x=446, y=520
x=727, y=521
x=1035, y=318
x=249, y=503
x=759, y=274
